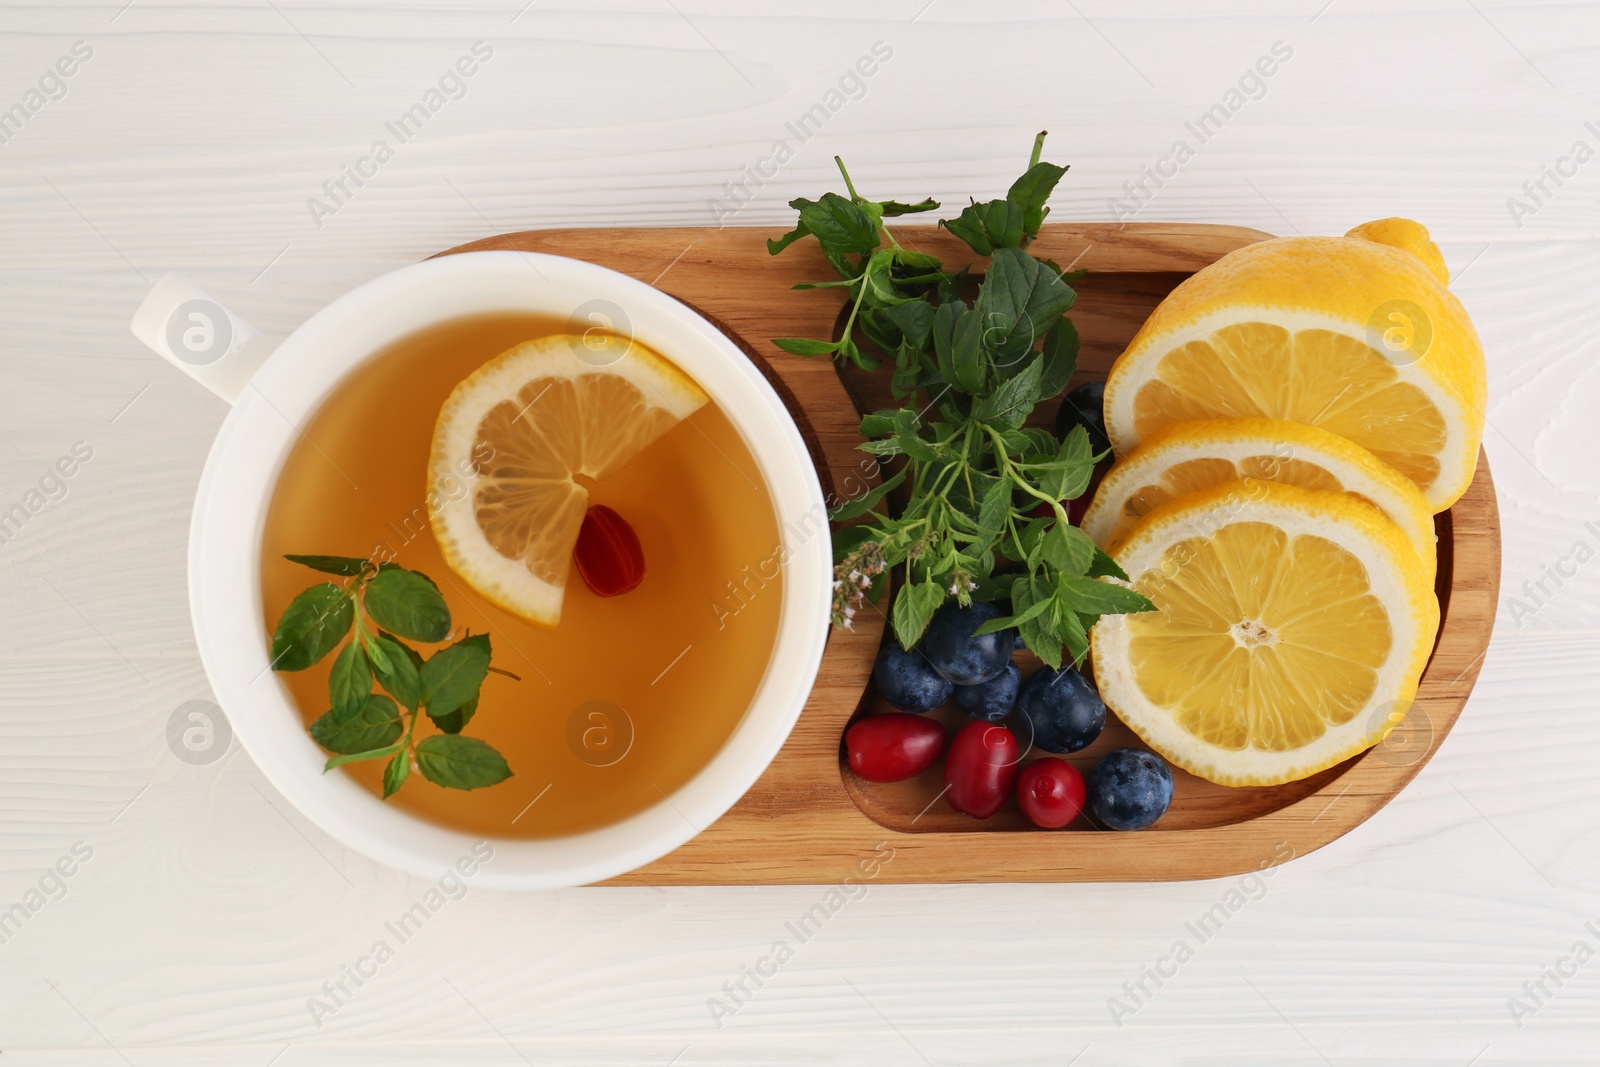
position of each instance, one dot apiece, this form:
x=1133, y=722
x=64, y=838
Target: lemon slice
x=1292, y=628
x=1355, y=334
x=530, y=423
x=1190, y=456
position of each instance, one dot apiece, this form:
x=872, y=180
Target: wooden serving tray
x=808, y=820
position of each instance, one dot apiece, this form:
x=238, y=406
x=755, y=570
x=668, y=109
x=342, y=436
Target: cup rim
x=241, y=475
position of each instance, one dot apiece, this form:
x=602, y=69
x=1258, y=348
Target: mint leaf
x=906, y=436
x=915, y=321
x=996, y=507
x=1066, y=548
x=943, y=337
x=1071, y=631
x=911, y=259
x=453, y=676
x=1092, y=596
x=457, y=762
x=1020, y=301
x=1031, y=540
x=452, y=722
x=1060, y=358
x=378, y=658
x=989, y=226
x=1008, y=406
x=891, y=208
x=348, y=566
x=1041, y=442
x=1031, y=600
x=866, y=501
x=349, y=682
x=774, y=247
x=880, y=330
x=1103, y=566
x=840, y=225
x=966, y=353
x=395, y=775
x=375, y=724
x=1067, y=474
x=848, y=350
x=398, y=671
x=408, y=604
x=802, y=347
x=1006, y=622
x=410, y=653
x=913, y=610
x=1031, y=191
x=311, y=626
x=357, y=757
x=879, y=422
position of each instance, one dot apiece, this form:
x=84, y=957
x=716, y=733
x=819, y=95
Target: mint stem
x=848, y=184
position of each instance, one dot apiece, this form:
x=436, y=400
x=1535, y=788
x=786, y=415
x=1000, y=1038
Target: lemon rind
x=1234, y=440
x=1459, y=395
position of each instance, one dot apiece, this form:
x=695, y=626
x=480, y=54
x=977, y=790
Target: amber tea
x=630, y=695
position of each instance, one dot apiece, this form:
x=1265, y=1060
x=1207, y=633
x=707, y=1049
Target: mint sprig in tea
x=376, y=606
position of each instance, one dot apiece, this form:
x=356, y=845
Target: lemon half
x=1355, y=334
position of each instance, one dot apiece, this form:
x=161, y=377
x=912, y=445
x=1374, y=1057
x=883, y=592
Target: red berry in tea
x=608, y=555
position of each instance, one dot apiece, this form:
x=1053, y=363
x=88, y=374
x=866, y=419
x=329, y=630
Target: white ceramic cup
x=276, y=391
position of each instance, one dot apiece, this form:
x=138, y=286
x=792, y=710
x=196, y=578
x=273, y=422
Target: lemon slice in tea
x=1292, y=628
x=532, y=422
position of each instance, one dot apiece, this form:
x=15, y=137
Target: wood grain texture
x=807, y=819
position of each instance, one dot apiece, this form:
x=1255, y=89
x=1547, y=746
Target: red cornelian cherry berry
x=1051, y=792
x=893, y=746
x=608, y=555
x=980, y=769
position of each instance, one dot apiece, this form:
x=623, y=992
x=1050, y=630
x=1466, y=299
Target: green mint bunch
x=380, y=604
x=985, y=516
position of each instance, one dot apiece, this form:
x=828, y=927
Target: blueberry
x=1085, y=406
x=907, y=681
x=1063, y=708
x=961, y=657
x=1130, y=789
x=993, y=700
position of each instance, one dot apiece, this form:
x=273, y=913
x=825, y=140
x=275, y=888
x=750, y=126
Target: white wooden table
x=208, y=913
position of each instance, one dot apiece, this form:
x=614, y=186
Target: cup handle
x=209, y=343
